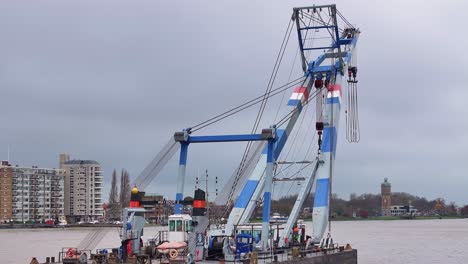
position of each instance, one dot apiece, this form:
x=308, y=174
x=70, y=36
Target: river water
x=399, y=242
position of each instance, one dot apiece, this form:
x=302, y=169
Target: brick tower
x=386, y=192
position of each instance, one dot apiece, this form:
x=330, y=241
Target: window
x=171, y=226
x=179, y=226
x=188, y=226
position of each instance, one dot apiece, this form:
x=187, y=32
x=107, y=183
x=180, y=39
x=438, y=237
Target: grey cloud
x=112, y=80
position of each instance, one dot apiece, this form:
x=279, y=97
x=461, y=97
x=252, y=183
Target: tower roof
x=386, y=183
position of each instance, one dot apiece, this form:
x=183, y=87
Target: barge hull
x=344, y=257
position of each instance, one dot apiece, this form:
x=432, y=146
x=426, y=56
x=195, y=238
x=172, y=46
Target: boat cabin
x=179, y=227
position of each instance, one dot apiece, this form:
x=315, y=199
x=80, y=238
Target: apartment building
x=5, y=192
x=30, y=194
x=83, y=189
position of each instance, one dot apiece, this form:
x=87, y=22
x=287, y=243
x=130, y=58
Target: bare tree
x=124, y=189
x=114, y=204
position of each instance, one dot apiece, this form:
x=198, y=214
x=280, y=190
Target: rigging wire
x=328, y=23
x=289, y=115
x=274, y=74
x=264, y=101
x=311, y=40
x=344, y=19
x=352, y=115
x=289, y=78
x=322, y=23
x=245, y=105
x=294, y=141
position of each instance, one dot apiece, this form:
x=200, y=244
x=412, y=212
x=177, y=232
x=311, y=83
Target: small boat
x=277, y=218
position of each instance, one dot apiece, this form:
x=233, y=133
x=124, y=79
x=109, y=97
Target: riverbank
x=87, y=225
x=389, y=218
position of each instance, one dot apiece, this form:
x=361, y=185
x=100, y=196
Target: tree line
x=368, y=205
x=118, y=200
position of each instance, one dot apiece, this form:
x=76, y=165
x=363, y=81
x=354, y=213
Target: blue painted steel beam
x=225, y=138
x=345, y=41
x=329, y=68
x=181, y=176
x=325, y=47
x=318, y=61
x=207, y=139
x=321, y=193
x=267, y=194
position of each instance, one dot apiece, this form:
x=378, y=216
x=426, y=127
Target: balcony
x=98, y=179
x=34, y=177
x=34, y=182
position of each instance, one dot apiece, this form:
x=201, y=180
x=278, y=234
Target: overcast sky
x=112, y=81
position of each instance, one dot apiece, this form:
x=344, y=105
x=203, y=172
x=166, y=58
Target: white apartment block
x=83, y=189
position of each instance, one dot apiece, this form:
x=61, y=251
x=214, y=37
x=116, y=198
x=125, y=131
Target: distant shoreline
x=393, y=218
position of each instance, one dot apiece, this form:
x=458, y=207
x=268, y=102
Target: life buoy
x=173, y=253
x=71, y=252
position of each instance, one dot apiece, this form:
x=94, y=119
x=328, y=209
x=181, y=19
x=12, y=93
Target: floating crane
x=321, y=81
x=323, y=78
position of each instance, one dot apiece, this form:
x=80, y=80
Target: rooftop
x=81, y=162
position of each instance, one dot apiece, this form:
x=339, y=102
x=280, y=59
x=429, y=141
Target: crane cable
x=352, y=115
x=264, y=101
x=291, y=144
x=289, y=115
x=246, y=105
x=344, y=19
x=306, y=155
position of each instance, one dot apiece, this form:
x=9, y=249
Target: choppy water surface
x=400, y=242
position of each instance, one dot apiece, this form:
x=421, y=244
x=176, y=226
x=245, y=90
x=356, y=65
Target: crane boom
x=253, y=189
x=301, y=197
x=325, y=73
x=331, y=117
x=297, y=104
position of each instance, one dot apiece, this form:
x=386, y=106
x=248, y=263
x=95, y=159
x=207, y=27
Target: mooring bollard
x=47, y=260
